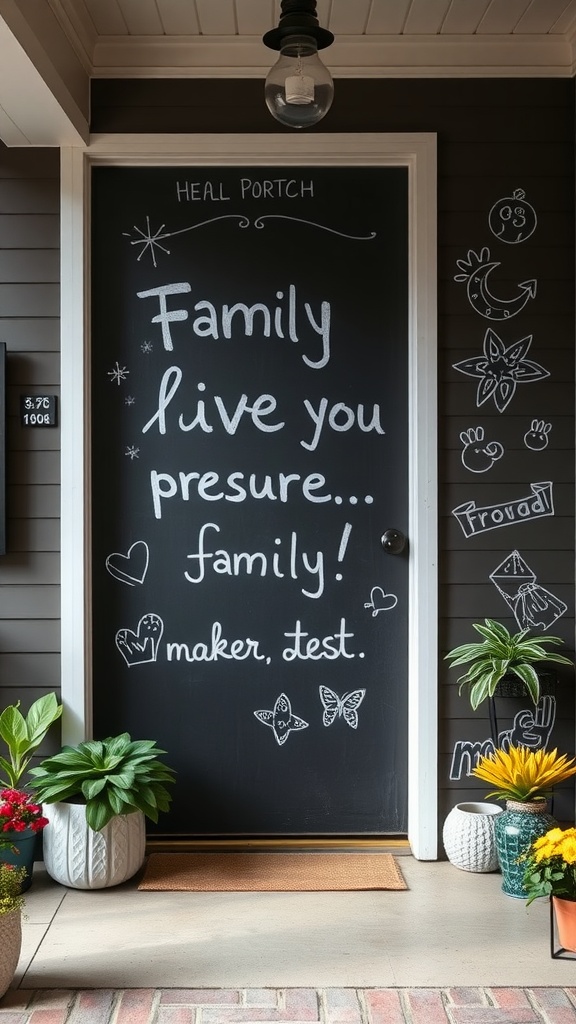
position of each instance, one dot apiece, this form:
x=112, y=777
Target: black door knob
x=393, y=542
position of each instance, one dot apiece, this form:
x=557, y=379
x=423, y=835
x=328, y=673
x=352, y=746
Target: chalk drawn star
x=118, y=374
x=132, y=452
x=129, y=400
x=146, y=347
x=501, y=369
x=148, y=240
x=281, y=720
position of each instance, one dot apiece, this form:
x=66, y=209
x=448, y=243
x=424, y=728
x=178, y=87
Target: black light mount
x=298, y=18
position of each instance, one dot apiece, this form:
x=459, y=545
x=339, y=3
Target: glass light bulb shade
x=299, y=89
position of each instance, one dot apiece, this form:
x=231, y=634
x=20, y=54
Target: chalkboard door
x=249, y=450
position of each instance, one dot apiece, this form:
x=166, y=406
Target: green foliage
x=23, y=734
x=500, y=654
x=11, y=881
x=117, y=775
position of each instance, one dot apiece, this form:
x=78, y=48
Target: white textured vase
x=468, y=836
x=76, y=856
x=10, y=945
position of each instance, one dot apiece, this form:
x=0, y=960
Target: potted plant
x=20, y=817
x=100, y=792
x=524, y=779
x=20, y=821
x=23, y=734
x=11, y=903
x=499, y=654
x=550, y=870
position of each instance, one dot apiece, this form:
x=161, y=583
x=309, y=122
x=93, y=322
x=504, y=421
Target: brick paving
x=291, y=1006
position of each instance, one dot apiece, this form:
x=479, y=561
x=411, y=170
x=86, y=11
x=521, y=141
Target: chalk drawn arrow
x=476, y=270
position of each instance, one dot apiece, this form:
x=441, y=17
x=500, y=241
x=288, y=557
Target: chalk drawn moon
x=482, y=300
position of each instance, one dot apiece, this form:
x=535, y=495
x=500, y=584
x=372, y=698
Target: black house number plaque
x=38, y=410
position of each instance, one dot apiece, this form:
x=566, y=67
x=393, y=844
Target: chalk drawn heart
x=130, y=568
x=380, y=601
x=141, y=647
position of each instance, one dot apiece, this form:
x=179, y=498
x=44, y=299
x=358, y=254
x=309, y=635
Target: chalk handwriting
x=225, y=563
x=475, y=520
x=341, y=418
x=219, y=647
x=530, y=728
x=286, y=320
x=316, y=648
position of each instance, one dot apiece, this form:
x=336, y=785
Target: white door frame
x=417, y=152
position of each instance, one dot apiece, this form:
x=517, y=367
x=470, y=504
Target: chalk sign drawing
x=380, y=601
x=150, y=241
x=345, y=707
x=132, y=567
x=512, y=219
x=474, y=520
x=531, y=728
x=501, y=369
x=533, y=606
x=281, y=720
x=477, y=456
x=537, y=437
x=476, y=269
x=141, y=647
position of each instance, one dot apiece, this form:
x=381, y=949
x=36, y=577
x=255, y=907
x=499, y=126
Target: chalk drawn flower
x=501, y=369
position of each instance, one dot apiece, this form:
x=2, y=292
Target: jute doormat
x=270, y=872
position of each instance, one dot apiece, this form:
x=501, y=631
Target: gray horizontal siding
x=29, y=326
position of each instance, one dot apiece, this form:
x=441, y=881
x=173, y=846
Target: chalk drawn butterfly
x=281, y=719
x=345, y=707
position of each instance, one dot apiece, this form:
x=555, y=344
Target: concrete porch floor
x=450, y=929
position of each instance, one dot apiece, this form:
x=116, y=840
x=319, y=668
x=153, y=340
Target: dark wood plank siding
x=29, y=326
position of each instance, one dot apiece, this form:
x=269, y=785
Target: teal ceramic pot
x=23, y=854
x=515, y=830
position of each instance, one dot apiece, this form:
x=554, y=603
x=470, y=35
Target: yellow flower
x=544, y=852
x=567, y=850
x=523, y=774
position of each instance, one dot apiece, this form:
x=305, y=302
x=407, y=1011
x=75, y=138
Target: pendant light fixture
x=299, y=89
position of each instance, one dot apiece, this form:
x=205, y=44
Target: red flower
x=18, y=812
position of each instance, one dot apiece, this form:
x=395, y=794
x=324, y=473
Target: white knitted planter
x=10, y=945
x=468, y=836
x=78, y=857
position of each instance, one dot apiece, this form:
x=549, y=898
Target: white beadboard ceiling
x=50, y=49
x=149, y=38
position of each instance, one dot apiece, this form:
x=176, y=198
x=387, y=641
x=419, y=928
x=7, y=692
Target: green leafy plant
x=11, y=881
x=551, y=866
x=117, y=775
x=23, y=734
x=499, y=654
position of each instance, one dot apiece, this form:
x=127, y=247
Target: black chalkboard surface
x=249, y=449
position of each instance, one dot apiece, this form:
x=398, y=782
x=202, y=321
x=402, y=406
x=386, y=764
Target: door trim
x=417, y=152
